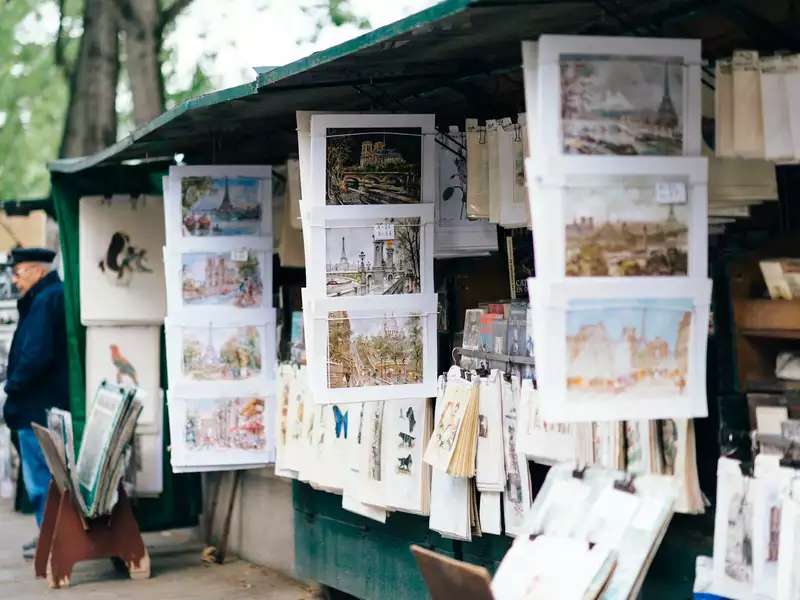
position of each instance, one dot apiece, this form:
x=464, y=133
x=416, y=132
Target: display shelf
x=768, y=318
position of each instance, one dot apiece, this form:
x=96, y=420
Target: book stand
x=66, y=538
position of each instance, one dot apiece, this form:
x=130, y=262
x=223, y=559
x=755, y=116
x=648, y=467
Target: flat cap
x=23, y=255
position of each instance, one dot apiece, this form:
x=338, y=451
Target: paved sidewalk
x=177, y=572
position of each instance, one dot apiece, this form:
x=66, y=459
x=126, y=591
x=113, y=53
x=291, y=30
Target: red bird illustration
x=124, y=367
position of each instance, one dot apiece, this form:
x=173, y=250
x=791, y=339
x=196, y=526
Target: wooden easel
x=66, y=538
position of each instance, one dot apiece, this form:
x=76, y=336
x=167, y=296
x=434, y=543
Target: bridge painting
x=374, y=165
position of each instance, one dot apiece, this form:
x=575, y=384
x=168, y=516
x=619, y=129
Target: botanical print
x=452, y=177
x=739, y=538
x=221, y=353
x=621, y=231
x=284, y=392
x=122, y=259
x=368, y=349
x=377, y=165
x=217, y=278
x=220, y=206
x=668, y=433
x=407, y=440
x=638, y=347
x=636, y=461
x=621, y=105
x=225, y=424
x=513, y=491
x=380, y=258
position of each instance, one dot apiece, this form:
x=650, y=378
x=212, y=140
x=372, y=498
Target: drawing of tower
x=667, y=117
x=378, y=264
x=344, y=264
x=209, y=354
x=226, y=205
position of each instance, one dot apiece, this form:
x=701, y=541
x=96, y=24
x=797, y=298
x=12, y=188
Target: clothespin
x=746, y=468
x=626, y=484
x=579, y=472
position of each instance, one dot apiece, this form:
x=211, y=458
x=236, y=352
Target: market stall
x=454, y=75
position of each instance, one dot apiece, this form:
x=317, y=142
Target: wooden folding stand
x=66, y=538
x=449, y=578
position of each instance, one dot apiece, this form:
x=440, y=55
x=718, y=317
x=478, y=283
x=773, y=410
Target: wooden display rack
x=66, y=538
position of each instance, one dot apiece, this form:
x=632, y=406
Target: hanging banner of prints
x=127, y=356
x=121, y=265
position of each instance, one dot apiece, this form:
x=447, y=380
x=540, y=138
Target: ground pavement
x=177, y=572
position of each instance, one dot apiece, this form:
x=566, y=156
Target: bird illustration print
x=124, y=367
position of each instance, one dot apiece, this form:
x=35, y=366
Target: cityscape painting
x=636, y=347
x=621, y=231
x=373, y=165
x=225, y=424
x=621, y=105
x=220, y=206
x=380, y=258
x=215, y=278
x=221, y=353
x=368, y=349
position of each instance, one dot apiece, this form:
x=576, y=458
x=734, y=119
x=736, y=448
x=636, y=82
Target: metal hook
x=482, y=135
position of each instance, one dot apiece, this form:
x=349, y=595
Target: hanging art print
x=371, y=159
x=129, y=357
x=210, y=204
x=121, y=266
x=619, y=96
x=622, y=351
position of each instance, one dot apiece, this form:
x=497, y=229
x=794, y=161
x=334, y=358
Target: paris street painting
x=631, y=347
x=369, y=348
x=225, y=424
x=381, y=257
x=221, y=206
x=621, y=231
x=215, y=278
x=373, y=165
x=221, y=353
x=622, y=105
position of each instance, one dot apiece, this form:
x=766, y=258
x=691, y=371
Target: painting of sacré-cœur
x=377, y=165
x=382, y=258
x=621, y=105
x=636, y=347
x=620, y=231
x=221, y=206
x=225, y=424
x=221, y=353
x=215, y=278
x=368, y=350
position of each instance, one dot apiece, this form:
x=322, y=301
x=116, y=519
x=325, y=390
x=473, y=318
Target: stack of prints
x=220, y=329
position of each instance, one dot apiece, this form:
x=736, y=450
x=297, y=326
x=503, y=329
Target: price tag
x=383, y=231
x=671, y=192
x=239, y=255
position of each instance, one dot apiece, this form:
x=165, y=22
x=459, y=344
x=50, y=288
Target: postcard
x=371, y=159
x=622, y=351
x=619, y=96
x=374, y=348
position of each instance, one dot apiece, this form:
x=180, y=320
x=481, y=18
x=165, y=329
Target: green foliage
x=332, y=12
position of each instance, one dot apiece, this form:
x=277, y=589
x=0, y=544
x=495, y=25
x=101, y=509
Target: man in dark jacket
x=36, y=377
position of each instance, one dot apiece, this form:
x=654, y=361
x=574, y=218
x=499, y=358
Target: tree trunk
x=140, y=21
x=92, y=114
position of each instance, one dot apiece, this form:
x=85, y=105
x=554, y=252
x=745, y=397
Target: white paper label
x=671, y=192
x=239, y=255
x=383, y=231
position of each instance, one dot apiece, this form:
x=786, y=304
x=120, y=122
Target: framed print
x=211, y=202
x=599, y=217
x=457, y=234
x=621, y=350
x=121, y=266
x=129, y=357
x=225, y=280
x=619, y=95
x=359, y=159
x=375, y=348
x=220, y=431
x=221, y=358
x=382, y=251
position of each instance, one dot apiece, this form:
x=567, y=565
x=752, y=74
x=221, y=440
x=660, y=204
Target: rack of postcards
x=123, y=306
x=220, y=328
